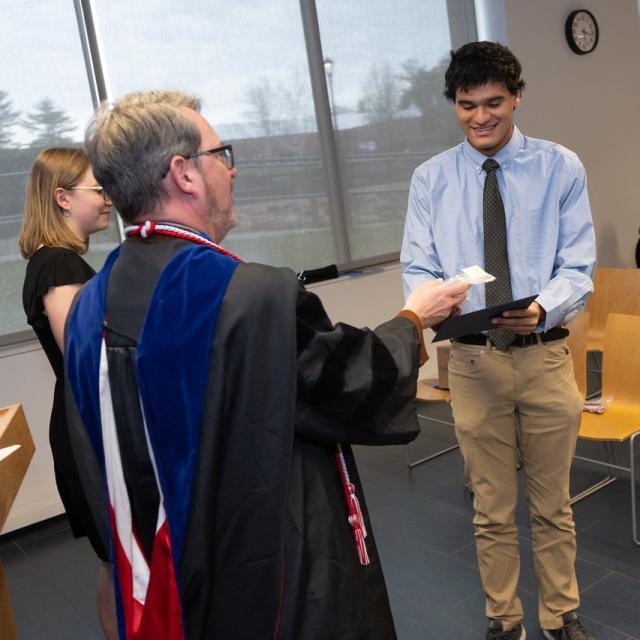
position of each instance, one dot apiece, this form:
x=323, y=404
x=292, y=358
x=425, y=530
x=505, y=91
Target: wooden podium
x=16, y=451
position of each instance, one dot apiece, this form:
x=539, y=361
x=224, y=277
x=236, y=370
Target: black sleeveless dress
x=55, y=267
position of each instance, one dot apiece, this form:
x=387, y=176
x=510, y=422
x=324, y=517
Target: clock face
x=581, y=30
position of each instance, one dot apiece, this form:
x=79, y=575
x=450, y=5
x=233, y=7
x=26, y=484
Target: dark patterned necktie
x=496, y=258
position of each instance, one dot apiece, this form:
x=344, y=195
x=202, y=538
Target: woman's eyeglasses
x=98, y=190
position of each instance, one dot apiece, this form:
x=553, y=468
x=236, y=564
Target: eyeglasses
x=225, y=154
x=98, y=190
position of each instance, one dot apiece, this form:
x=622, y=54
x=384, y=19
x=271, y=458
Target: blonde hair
x=131, y=142
x=42, y=222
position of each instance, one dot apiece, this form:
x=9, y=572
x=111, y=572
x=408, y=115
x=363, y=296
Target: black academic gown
x=268, y=551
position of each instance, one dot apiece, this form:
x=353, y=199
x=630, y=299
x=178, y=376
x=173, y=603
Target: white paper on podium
x=5, y=452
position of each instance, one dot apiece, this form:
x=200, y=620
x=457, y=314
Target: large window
x=385, y=66
x=330, y=105
x=44, y=101
x=247, y=61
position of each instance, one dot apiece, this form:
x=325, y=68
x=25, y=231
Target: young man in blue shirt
x=518, y=206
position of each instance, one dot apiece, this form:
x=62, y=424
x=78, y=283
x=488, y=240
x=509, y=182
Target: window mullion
x=337, y=207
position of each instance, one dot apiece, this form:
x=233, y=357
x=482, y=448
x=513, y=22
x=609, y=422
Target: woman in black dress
x=64, y=205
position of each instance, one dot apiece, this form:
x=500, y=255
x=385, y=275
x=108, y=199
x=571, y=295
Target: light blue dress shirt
x=550, y=237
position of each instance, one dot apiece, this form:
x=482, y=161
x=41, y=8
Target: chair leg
x=610, y=478
x=412, y=464
x=610, y=456
x=594, y=488
x=634, y=508
x=437, y=454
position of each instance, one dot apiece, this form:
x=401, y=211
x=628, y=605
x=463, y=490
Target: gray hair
x=130, y=144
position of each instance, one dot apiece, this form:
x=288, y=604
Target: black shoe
x=496, y=632
x=571, y=630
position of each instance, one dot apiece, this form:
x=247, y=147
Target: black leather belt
x=557, y=333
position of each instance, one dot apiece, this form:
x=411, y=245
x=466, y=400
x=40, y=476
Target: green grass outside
x=12, y=317
x=11, y=313
x=299, y=250
x=314, y=248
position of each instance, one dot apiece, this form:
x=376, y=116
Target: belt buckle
x=521, y=342
x=532, y=339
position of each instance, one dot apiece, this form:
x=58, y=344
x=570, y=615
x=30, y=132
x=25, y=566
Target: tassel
x=355, y=518
x=361, y=546
x=355, y=511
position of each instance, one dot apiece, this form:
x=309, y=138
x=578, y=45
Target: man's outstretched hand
x=433, y=303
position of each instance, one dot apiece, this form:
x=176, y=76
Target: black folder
x=477, y=321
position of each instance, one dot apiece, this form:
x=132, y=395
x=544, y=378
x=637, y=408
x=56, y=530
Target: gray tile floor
x=422, y=523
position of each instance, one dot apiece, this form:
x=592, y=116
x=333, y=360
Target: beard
x=223, y=219
x=230, y=221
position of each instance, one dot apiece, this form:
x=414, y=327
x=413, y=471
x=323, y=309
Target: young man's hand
x=522, y=322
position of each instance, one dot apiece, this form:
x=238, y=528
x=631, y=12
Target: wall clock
x=581, y=30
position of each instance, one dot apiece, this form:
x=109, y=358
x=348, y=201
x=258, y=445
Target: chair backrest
x=621, y=365
x=577, y=341
x=615, y=291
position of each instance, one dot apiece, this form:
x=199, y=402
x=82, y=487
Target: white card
x=477, y=275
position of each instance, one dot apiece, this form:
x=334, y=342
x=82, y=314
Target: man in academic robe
x=212, y=404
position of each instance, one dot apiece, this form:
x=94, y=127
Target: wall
x=365, y=300
x=27, y=378
x=588, y=103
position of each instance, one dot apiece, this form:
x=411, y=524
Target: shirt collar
x=505, y=156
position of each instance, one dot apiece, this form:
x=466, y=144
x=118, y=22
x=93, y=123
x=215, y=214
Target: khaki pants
x=521, y=404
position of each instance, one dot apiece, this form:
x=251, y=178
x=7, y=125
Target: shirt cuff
x=410, y=315
x=556, y=314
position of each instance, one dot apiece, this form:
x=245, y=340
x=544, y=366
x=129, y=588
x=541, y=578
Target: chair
x=16, y=451
x=615, y=291
x=430, y=391
x=621, y=421
x=577, y=341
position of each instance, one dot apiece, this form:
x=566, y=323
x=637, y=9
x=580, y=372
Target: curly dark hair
x=478, y=63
